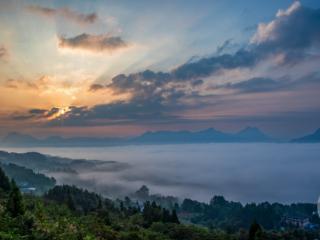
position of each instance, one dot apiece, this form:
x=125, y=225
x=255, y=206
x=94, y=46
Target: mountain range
x=23, y=140
x=249, y=134
x=210, y=135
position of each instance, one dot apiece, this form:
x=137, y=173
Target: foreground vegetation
x=67, y=212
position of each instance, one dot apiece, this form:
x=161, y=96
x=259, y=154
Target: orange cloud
x=19, y=83
x=66, y=13
x=3, y=52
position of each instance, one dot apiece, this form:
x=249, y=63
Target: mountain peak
x=15, y=138
x=250, y=129
x=16, y=135
x=209, y=130
x=311, y=138
x=317, y=132
x=251, y=134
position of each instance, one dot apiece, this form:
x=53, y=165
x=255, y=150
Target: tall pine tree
x=15, y=206
x=174, y=217
x=254, y=230
x=4, y=182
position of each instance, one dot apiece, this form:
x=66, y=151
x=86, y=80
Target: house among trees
x=296, y=222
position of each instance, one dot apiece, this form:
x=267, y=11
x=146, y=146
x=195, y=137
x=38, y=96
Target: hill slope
x=312, y=138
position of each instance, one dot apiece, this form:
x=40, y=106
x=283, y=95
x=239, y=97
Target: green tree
x=254, y=230
x=70, y=203
x=174, y=217
x=4, y=181
x=15, y=205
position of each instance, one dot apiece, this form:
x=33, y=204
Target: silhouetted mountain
x=208, y=135
x=248, y=134
x=251, y=134
x=163, y=137
x=17, y=139
x=312, y=138
x=22, y=140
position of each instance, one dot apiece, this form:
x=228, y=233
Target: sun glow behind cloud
x=61, y=112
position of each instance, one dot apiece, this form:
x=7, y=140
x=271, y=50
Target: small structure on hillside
x=296, y=222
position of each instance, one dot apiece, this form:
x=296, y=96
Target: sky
x=119, y=68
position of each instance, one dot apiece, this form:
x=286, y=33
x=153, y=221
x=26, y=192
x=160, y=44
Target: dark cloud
x=36, y=113
x=256, y=85
x=65, y=12
x=51, y=112
x=294, y=29
x=261, y=84
x=141, y=108
x=21, y=117
x=93, y=43
x=96, y=87
x=154, y=98
x=147, y=82
x=197, y=82
x=224, y=46
x=208, y=66
x=293, y=33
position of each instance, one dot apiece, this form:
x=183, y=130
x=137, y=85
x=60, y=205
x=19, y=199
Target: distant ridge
x=210, y=135
x=311, y=138
x=15, y=139
x=249, y=134
x=207, y=135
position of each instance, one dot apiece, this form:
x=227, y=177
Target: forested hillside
x=67, y=212
x=27, y=179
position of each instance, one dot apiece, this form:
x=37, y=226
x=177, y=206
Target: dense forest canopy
x=67, y=212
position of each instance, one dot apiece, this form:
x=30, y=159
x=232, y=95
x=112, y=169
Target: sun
x=62, y=111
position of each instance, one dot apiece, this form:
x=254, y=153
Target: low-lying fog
x=240, y=172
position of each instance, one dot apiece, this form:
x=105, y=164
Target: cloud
x=95, y=87
x=20, y=83
x=36, y=114
x=264, y=84
x=157, y=108
x=197, y=82
x=143, y=82
x=163, y=96
x=292, y=31
x=157, y=96
x=256, y=85
x=93, y=43
x=156, y=99
x=224, y=46
x=37, y=111
x=153, y=98
x=66, y=13
x=4, y=53
x=208, y=66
